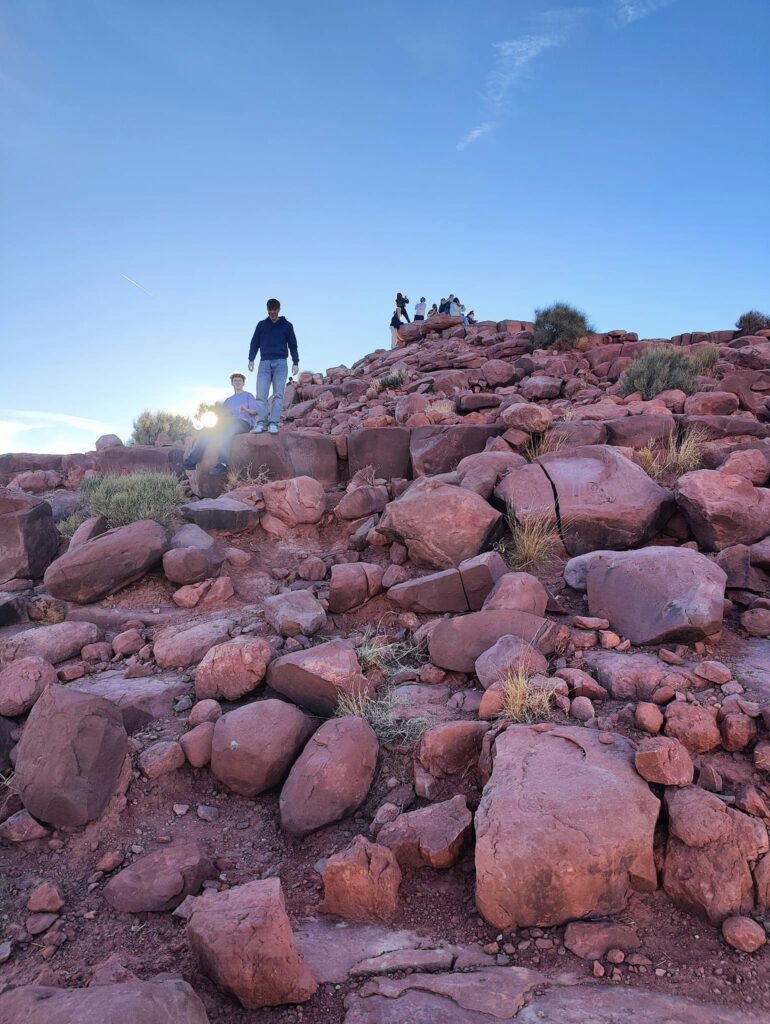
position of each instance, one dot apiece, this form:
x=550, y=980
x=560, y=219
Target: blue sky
x=612, y=153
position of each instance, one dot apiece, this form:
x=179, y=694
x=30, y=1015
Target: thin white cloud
x=30, y=430
x=475, y=133
x=40, y=419
x=629, y=11
x=513, y=60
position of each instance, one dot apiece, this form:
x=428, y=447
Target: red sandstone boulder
x=197, y=744
x=592, y=940
x=439, y=449
x=159, y=881
x=440, y=524
x=664, y=760
x=481, y=472
x=315, y=678
x=385, y=449
x=69, y=757
x=293, y=612
x=508, y=656
x=254, y=746
x=361, y=883
x=157, y=1001
x=438, y=592
x=575, y=849
x=362, y=501
x=534, y=419
x=723, y=510
x=331, y=777
x=694, y=726
x=431, y=837
x=242, y=940
x=456, y=643
x=295, y=502
x=107, y=563
x=657, y=595
x=22, y=683
x=353, y=584
x=451, y=748
x=479, y=575
x=517, y=591
x=605, y=500
x=28, y=537
x=193, y=556
x=709, y=853
x=182, y=646
x=232, y=669
x=744, y=934
x=711, y=403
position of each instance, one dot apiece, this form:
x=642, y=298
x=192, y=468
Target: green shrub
x=660, y=369
x=705, y=359
x=67, y=527
x=559, y=326
x=389, y=381
x=752, y=321
x=148, y=426
x=125, y=499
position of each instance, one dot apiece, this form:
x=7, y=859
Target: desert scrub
x=752, y=321
x=381, y=712
x=67, y=527
x=523, y=700
x=148, y=426
x=133, y=496
x=441, y=409
x=534, y=542
x=660, y=369
x=542, y=444
x=375, y=651
x=705, y=359
x=389, y=381
x=559, y=326
x=244, y=476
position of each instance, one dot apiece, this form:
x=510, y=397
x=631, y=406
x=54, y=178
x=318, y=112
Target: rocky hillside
x=454, y=707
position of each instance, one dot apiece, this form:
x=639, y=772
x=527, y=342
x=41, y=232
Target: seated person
x=237, y=416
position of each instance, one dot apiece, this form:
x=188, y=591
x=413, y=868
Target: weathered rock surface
x=331, y=777
x=723, y=509
x=361, y=882
x=161, y=1001
x=296, y=502
x=657, y=595
x=107, y=563
x=456, y=643
x=70, y=756
x=28, y=537
x=575, y=850
x=232, y=669
x=159, y=881
x=430, y=837
x=294, y=612
x=242, y=940
x=22, y=682
x=314, y=678
x=182, y=646
x=54, y=643
x=441, y=525
x=255, y=745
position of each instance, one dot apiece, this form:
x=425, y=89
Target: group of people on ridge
x=242, y=412
x=452, y=306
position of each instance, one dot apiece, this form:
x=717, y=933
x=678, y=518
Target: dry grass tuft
x=376, y=651
x=441, y=409
x=679, y=455
x=534, y=541
x=242, y=476
x=542, y=444
x=523, y=702
x=389, y=381
x=381, y=714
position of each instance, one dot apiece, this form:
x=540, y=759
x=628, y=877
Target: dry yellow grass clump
x=523, y=701
x=534, y=542
x=677, y=456
x=381, y=713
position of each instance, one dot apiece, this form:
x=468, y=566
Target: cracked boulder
x=604, y=499
x=575, y=848
x=361, y=882
x=657, y=595
x=331, y=777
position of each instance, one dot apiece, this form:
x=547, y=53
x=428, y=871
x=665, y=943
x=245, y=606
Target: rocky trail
x=454, y=707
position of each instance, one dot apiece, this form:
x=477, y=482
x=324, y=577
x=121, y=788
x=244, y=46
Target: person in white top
x=419, y=309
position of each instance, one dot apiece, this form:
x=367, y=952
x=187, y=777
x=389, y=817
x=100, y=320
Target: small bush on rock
x=534, y=541
x=133, y=496
x=389, y=381
x=67, y=527
x=148, y=426
x=660, y=369
x=559, y=326
x=375, y=650
x=705, y=359
x=753, y=321
x=679, y=455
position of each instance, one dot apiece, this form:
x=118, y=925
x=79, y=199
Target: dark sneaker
x=219, y=469
x=189, y=464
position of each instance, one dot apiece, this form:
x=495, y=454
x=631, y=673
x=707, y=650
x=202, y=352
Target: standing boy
x=274, y=339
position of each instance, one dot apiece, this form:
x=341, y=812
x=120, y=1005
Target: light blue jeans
x=275, y=372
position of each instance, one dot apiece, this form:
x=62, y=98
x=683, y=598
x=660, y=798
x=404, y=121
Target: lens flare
x=209, y=419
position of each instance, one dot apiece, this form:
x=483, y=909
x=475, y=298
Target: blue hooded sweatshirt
x=274, y=340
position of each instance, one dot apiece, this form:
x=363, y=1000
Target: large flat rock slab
x=140, y=700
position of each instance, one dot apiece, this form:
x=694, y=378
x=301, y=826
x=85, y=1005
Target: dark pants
x=404, y=314
x=223, y=434
x=418, y=317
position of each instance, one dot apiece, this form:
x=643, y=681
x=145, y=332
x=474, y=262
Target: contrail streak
x=136, y=284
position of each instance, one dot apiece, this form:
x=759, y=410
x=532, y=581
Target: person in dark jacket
x=274, y=339
x=401, y=304
x=395, y=323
